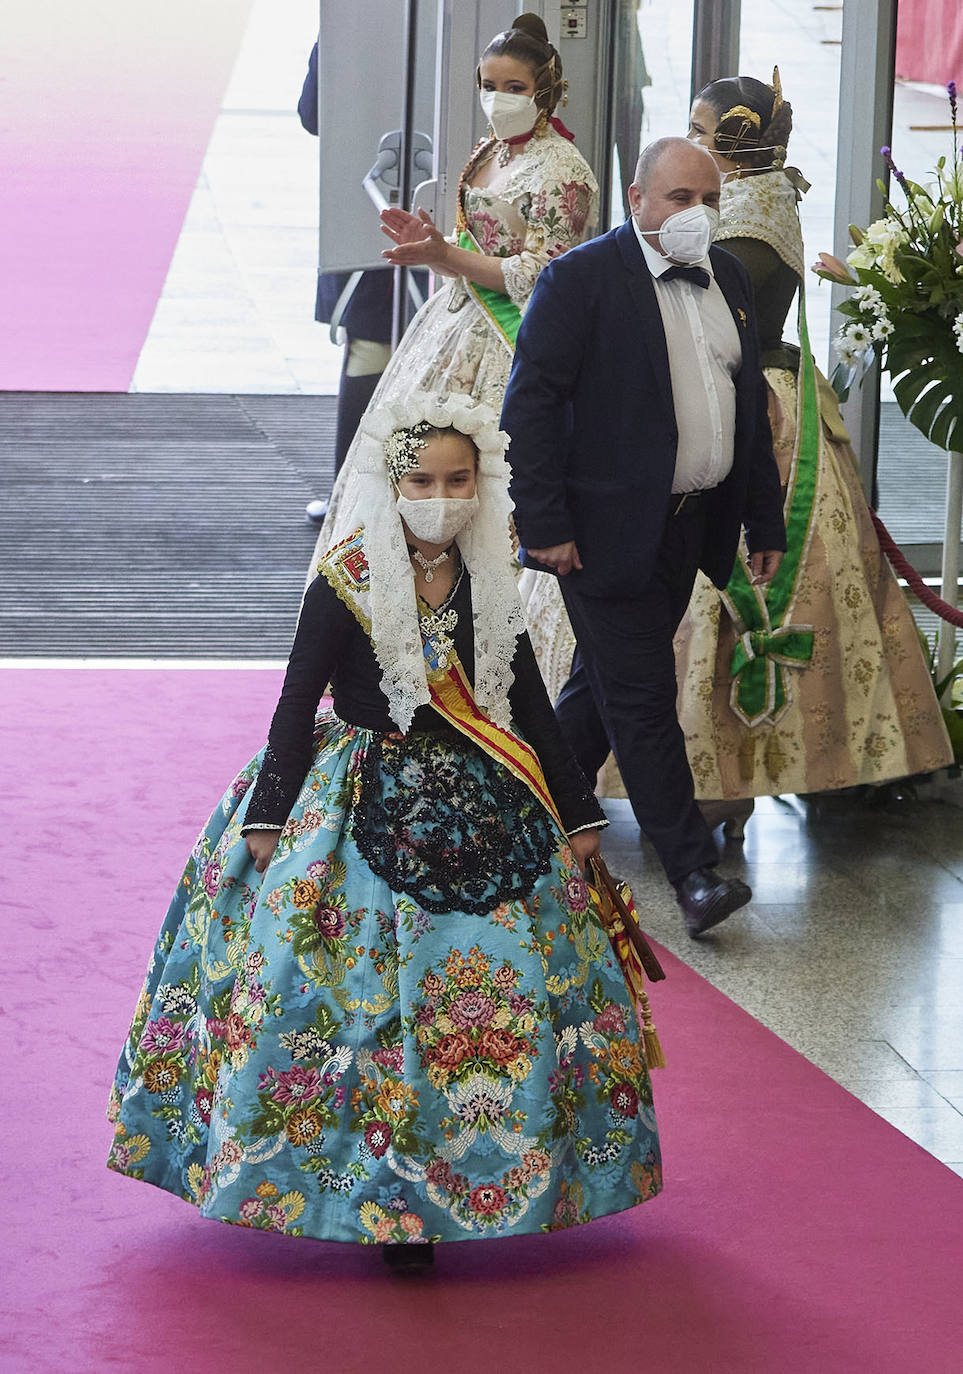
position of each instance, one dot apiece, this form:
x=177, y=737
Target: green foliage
x=927, y=372
x=907, y=309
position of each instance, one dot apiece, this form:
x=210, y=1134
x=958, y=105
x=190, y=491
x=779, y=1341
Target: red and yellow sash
x=453, y=699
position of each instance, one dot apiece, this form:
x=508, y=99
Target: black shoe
x=316, y=511
x=409, y=1259
x=706, y=899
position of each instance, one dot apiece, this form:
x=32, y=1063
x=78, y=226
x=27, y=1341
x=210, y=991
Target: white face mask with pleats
x=508, y=114
x=437, y=519
x=686, y=235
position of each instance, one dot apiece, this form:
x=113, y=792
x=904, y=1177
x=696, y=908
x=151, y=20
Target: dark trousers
x=622, y=695
x=354, y=394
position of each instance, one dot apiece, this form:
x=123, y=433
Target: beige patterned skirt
x=863, y=710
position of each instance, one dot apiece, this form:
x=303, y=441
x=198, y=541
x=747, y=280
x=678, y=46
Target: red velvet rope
x=912, y=578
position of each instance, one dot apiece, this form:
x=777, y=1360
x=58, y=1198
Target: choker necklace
x=429, y=565
x=504, y=146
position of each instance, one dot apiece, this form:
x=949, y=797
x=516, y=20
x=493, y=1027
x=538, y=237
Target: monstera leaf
x=927, y=371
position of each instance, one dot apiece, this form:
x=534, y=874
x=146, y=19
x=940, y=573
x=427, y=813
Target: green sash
x=500, y=309
x=768, y=644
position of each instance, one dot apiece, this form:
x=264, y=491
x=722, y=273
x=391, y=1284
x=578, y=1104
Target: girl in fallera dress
x=819, y=683
x=525, y=196
x=382, y=1008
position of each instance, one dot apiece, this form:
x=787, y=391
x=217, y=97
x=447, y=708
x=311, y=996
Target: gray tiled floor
x=852, y=948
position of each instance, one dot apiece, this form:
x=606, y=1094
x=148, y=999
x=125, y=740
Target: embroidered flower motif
x=396, y=1099
x=212, y=878
x=610, y=1021
x=625, y=1099
x=305, y=893
x=303, y=1126
x=487, y=230
x=575, y=203
x=577, y=893
x=162, y=1074
x=162, y=1036
x=472, y=1009
x=378, y=1137
x=487, y=1199
x=330, y=922
x=297, y=1085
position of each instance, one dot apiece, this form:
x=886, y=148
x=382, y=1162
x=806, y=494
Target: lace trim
x=485, y=547
x=592, y=825
x=442, y=822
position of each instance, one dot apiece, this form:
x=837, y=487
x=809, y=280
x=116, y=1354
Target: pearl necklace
x=429, y=565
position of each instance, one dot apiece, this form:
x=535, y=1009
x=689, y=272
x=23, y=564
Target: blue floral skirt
x=410, y=1028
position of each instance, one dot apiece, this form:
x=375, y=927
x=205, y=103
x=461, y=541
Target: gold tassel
x=654, y=1054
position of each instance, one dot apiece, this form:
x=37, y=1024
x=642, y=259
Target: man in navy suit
x=640, y=448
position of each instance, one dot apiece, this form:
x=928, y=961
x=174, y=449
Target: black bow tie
x=697, y=275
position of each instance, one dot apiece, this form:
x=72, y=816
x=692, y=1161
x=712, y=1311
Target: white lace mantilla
x=485, y=547
x=764, y=206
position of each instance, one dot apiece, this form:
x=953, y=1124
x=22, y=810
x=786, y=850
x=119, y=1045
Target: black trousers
x=621, y=695
x=354, y=394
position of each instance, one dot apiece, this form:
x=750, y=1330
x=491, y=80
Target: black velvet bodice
x=331, y=647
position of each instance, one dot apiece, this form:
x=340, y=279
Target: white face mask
x=437, y=519
x=686, y=235
x=509, y=115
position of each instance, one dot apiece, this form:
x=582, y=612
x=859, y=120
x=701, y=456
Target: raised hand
x=419, y=242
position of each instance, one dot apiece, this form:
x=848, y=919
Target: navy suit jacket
x=590, y=411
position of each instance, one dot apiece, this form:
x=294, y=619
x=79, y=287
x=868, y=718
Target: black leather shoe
x=706, y=899
x=409, y=1259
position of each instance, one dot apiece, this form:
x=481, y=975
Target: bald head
x=673, y=149
x=672, y=174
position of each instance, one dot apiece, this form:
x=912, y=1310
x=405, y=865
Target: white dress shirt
x=704, y=356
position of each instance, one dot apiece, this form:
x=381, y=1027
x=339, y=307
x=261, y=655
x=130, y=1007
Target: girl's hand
x=261, y=845
x=585, y=845
x=420, y=243
x=403, y=227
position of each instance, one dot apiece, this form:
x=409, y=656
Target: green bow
x=757, y=666
x=766, y=645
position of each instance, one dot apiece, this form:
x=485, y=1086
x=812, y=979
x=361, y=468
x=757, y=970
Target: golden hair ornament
x=776, y=92
x=737, y=127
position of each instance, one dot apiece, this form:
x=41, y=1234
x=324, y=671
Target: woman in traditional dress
x=525, y=196
x=817, y=682
x=382, y=1008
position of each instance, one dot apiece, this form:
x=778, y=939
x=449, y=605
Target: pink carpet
x=798, y=1233
x=106, y=109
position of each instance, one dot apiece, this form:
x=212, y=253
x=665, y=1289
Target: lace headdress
x=485, y=547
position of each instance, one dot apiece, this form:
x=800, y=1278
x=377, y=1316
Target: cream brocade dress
x=543, y=202
x=863, y=710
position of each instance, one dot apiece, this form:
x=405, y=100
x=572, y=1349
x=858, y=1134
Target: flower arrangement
x=907, y=308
